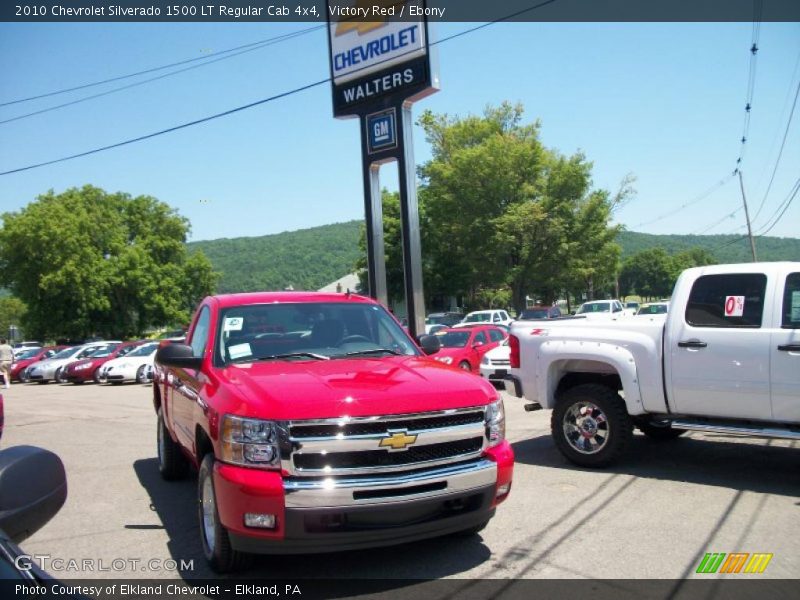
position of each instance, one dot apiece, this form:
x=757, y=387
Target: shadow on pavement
x=747, y=464
x=430, y=559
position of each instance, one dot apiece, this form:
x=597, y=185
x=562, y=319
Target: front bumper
x=324, y=515
x=495, y=374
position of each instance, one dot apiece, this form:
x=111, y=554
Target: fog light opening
x=260, y=521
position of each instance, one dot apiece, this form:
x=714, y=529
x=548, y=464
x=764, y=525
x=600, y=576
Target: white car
x=486, y=317
x=131, y=367
x=603, y=309
x=496, y=363
x=52, y=369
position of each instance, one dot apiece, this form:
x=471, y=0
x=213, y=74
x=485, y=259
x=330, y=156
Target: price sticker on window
x=734, y=306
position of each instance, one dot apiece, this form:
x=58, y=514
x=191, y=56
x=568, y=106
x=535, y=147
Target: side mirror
x=178, y=355
x=477, y=344
x=429, y=344
x=34, y=488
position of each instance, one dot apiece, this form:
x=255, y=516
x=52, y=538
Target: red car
x=465, y=347
x=28, y=357
x=317, y=424
x=88, y=369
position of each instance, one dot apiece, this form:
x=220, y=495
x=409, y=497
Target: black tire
x=465, y=365
x=96, y=376
x=221, y=556
x=172, y=464
x=59, y=376
x=609, y=423
x=659, y=432
x=24, y=377
x=140, y=378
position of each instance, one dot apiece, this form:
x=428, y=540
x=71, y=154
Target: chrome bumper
x=360, y=491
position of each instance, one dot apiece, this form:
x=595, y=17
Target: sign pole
x=379, y=67
x=409, y=212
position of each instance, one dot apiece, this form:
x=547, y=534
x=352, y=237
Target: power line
x=783, y=207
x=170, y=129
x=751, y=77
x=780, y=152
x=252, y=104
x=138, y=83
x=159, y=68
x=715, y=223
x=699, y=198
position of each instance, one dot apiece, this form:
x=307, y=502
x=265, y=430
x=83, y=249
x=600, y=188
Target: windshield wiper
x=313, y=355
x=373, y=351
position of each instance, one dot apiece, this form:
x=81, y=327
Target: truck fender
x=558, y=357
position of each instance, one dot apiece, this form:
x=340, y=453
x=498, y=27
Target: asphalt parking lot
x=654, y=515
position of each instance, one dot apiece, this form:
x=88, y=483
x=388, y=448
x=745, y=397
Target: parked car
x=653, y=308
x=464, y=348
x=52, y=369
x=495, y=363
x=21, y=347
x=448, y=319
x=486, y=317
x=29, y=356
x=333, y=432
x=130, y=367
x=603, y=309
x=726, y=359
x=540, y=311
x=90, y=368
x=433, y=329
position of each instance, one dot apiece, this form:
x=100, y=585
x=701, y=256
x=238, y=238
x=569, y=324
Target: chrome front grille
x=501, y=362
x=371, y=445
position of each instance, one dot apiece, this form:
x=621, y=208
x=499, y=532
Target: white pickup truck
x=726, y=358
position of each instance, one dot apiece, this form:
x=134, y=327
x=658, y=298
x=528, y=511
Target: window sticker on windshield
x=734, y=306
x=795, y=305
x=239, y=350
x=234, y=323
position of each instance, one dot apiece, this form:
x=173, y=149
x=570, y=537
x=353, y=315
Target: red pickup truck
x=317, y=424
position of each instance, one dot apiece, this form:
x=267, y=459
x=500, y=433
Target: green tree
x=649, y=273
x=12, y=312
x=88, y=262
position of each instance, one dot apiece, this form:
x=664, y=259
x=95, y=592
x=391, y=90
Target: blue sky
x=664, y=102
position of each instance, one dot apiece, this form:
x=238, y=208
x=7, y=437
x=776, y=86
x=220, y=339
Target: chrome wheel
x=209, y=509
x=586, y=427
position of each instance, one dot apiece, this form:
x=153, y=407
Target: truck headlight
x=486, y=361
x=250, y=442
x=495, y=421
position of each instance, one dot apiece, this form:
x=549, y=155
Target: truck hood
x=353, y=387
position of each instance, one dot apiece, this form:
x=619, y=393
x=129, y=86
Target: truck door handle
x=692, y=344
x=789, y=348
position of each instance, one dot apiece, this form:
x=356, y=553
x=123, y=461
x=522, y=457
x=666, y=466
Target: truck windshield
x=478, y=318
x=308, y=331
x=594, y=307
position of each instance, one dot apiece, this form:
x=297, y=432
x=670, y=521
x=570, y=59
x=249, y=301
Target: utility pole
x=747, y=217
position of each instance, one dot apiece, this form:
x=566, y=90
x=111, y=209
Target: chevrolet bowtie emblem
x=362, y=27
x=398, y=441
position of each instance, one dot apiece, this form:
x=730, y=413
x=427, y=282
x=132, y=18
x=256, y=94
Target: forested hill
x=306, y=259
x=311, y=258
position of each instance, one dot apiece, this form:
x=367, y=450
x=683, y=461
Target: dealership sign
x=377, y=50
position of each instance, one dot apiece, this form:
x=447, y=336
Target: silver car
x=52, y=369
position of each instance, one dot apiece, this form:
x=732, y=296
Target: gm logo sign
x=381, y=131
